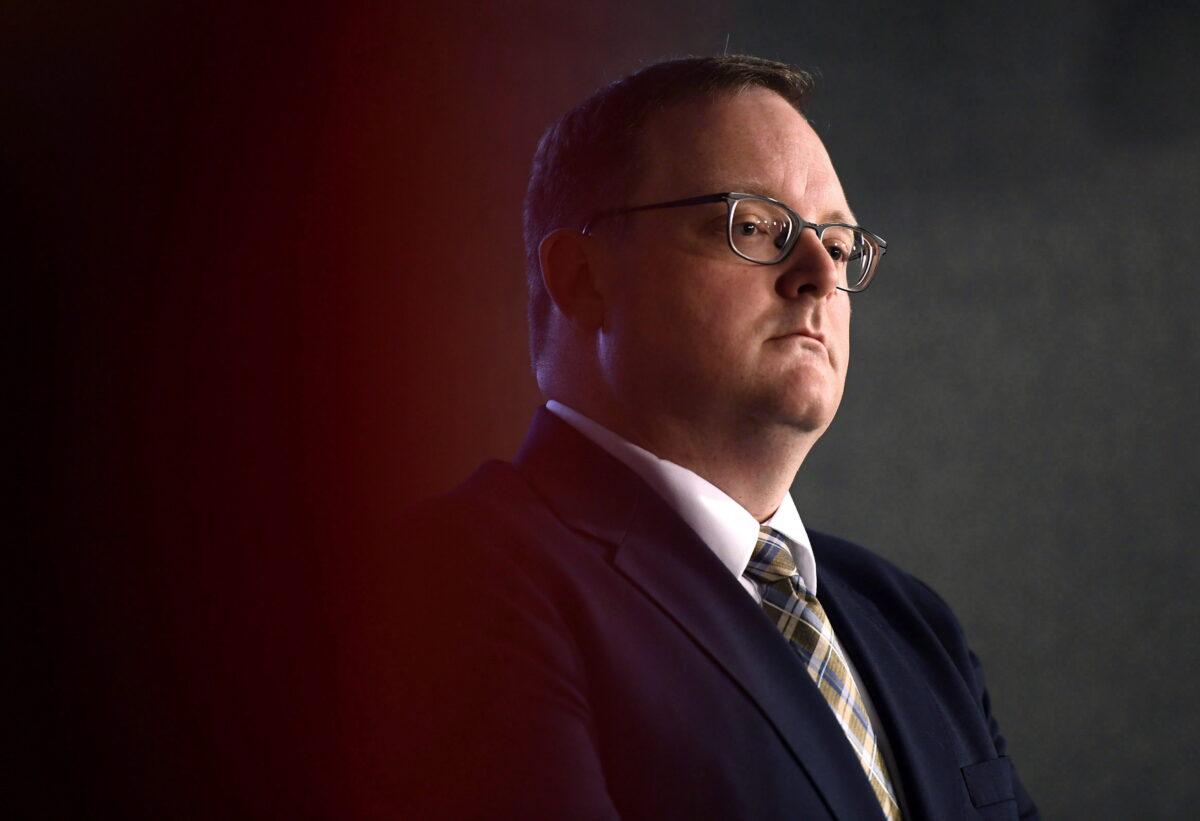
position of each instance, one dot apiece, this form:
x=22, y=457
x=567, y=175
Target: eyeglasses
x=765, y=231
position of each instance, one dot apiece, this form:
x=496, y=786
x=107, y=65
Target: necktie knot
x=772, y=561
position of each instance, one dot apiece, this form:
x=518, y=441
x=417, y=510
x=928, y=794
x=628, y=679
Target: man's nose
x=808, y=269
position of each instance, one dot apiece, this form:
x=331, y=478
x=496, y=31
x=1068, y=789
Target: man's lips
x=802, y=336
x=805, y=332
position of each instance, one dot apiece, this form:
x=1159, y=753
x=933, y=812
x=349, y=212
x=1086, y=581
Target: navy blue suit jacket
x=566, y=647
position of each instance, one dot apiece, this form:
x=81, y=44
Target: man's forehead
x=727, y=118
x=751, y=141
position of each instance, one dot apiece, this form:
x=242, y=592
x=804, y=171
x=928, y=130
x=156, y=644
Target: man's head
x=590, y=158
x=654, y=310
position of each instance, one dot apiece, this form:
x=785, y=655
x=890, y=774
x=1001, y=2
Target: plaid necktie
x=800, y=618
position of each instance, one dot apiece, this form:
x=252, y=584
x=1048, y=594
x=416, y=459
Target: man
x=630, y=620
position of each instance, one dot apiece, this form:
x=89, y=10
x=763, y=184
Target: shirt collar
x=729, y=530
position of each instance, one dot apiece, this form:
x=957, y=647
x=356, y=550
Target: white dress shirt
x=729, y=530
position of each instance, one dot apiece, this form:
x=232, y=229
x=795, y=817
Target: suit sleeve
x=465, y=689
x=954, y=639
x=1025, y=805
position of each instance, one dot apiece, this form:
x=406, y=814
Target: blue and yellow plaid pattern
x=800, y=618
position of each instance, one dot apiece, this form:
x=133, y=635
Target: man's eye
x=837, y=251
x=760, y=227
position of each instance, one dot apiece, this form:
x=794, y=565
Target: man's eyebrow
x=838, y=215
x=751, y=185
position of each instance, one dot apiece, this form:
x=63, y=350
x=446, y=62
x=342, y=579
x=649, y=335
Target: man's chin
x=811, y=417
x=813, y=424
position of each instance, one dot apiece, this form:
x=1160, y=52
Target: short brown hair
x=587, y=160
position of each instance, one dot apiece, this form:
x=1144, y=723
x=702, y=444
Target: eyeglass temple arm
x=613, y=212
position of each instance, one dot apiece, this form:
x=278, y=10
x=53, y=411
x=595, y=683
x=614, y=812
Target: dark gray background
x=277, y=283
x=1018, y=427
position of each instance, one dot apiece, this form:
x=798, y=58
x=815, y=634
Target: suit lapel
x=917, y=728
x=668, y=562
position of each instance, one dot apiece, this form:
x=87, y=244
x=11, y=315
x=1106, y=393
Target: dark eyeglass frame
x=731, y=198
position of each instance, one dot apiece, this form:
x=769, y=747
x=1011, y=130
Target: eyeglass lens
x=762, y=231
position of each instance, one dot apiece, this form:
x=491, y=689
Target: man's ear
x=570, y=276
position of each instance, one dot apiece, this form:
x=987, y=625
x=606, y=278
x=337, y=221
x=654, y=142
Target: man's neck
x=754, y=464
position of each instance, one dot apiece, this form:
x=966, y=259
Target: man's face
x=692, y=331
